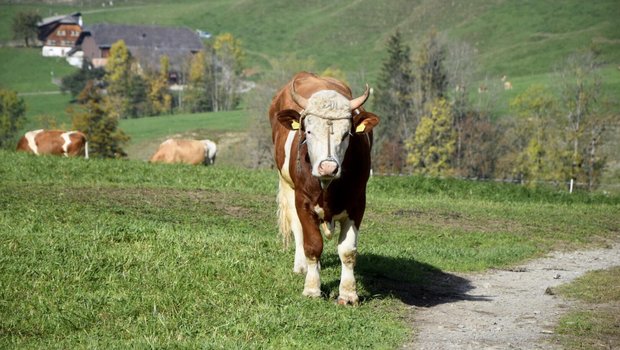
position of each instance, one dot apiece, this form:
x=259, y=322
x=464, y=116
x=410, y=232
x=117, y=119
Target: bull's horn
x=300, y=100
x=359, y=101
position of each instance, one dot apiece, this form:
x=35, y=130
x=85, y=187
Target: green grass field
x=126, y=254
x=592, y=323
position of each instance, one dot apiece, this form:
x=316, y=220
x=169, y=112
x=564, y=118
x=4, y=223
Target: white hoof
x=312, y=292
x=348, y=299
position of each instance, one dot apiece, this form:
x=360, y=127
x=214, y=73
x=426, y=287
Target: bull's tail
x=284, y=221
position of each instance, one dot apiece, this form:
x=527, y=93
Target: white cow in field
x=186, y=151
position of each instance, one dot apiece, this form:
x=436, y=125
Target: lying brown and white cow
x=186, y=151
x=322, y=141
x=55, y=142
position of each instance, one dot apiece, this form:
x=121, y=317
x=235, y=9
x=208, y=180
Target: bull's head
x=328, y=120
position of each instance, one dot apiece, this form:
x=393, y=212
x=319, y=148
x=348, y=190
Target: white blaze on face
x=327, y=124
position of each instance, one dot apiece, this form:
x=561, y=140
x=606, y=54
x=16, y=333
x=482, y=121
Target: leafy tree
x=476, y=150
x=227, y=67
x=226, y=45
x=431, y=75
x=137, y=97
x=75, y=82
x=118, y=77
x=393, y=102
x=460, y=70
x=12, y=115
x=432, y=148
x=25, y=26
x=536, y=152
x=159, y=97
x=196, y=97
x=586, y=120
x=98, y=119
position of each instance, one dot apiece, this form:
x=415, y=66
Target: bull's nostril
x=328, y=168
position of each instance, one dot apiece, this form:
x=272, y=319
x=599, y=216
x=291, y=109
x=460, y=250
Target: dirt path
x=502, y=309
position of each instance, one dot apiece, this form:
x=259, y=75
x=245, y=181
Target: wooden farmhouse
x=59, y=34
x=147, y=44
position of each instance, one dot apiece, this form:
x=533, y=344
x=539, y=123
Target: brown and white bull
x=55, y=142
x=186, y=151
x=322, y=141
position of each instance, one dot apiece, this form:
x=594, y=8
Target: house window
x=75, y=33
x=61, y=33
x=52, y=42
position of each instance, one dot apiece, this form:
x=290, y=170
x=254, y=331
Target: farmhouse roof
x=48, y=24
x=145, y=36
x=146, y=43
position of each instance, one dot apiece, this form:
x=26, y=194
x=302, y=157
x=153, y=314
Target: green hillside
x=513, y=38
x=524, y=40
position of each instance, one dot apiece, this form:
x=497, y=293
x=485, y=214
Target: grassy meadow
x=593, y=322
x=126, y=254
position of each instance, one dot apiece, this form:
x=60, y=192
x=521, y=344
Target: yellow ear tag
x=295, y=125
x=360, y=128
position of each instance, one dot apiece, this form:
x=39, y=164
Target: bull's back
x=180, y=151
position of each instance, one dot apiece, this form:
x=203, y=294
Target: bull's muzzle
x=328, y=168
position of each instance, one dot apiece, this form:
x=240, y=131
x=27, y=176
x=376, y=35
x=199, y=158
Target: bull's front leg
x=313, y=248
x=347, y=251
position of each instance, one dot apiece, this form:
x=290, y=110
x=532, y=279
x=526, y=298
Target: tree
x=196, y=97
x=137, y=97
x=118, y=77
x=393, y=103
x=227, y=69
x=25, y=26
x=75, y=82
x=226, y=45
x=432, y=148
x=98, y=119
x=459, y=70
x=580, y=86
x=159, y=97
x=476, y=150
x=431, y=75
x=12, y=115
x=536, y=152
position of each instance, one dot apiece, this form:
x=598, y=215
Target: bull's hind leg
x=289, y=221
x=347, y=251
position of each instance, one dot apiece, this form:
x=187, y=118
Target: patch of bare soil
x=502, y=309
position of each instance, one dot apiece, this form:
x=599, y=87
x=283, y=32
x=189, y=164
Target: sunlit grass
x=593, y=324
x=117, y=254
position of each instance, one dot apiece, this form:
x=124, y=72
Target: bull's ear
x=289, y=118
x=364, y=122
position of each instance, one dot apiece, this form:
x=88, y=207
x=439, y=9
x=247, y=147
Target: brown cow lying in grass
x=185, y=151
x=55, y=142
